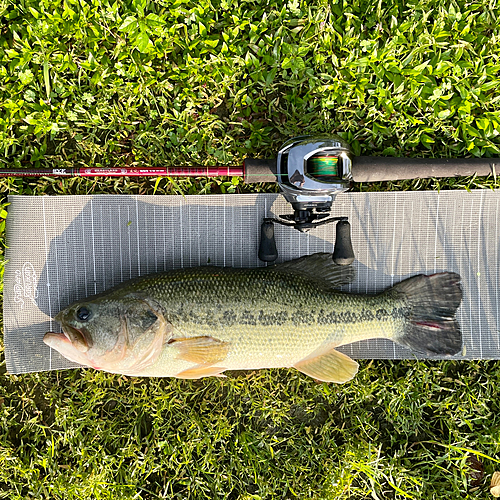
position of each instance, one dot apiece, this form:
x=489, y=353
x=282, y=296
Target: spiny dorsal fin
x=320, y=269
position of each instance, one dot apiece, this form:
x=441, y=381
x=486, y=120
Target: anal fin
x=328, y=366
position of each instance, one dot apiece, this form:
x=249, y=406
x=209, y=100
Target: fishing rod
x=323, y=157
x=311, y=171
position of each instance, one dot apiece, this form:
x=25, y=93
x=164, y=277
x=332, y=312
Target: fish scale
x=201, y=321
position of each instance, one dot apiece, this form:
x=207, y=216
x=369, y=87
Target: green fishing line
x=323, y=166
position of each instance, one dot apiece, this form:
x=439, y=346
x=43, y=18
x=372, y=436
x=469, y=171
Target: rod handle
x=259, y=170
x=380, y=168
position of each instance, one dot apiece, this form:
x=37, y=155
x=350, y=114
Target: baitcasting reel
x=311, y=171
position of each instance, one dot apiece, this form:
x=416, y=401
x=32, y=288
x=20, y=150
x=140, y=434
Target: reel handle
x=343, y=253
x=267, y=247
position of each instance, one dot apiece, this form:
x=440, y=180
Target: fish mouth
x=63, y=344
x=77, y=337
x=61, y=337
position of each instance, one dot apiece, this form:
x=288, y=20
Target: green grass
x=179, y=83
x=400, y=430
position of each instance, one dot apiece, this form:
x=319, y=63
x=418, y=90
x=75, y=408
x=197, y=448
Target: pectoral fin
x=200, y=371
x=201, y=350
x=328, y=366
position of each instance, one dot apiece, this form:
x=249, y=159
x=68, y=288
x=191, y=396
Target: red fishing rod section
x=231, y=171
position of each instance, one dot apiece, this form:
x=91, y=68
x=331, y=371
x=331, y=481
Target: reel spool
x=324, y=168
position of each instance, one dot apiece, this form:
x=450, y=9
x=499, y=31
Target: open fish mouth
x=61, y=342
x=75, y=336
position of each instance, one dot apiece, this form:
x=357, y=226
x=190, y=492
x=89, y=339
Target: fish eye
x=83, y=314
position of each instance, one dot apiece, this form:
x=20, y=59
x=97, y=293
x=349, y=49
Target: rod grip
x=380, y=168
x=259, y=170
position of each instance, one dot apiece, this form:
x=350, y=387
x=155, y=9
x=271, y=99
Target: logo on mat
x=25, y=286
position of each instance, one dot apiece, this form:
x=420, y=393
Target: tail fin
x=431, y=327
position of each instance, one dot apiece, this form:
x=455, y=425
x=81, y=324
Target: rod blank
x=231, y=171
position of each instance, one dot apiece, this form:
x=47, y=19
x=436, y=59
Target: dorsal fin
x=320, y=269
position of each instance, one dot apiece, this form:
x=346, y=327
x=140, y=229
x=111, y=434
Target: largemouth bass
x=196, y=322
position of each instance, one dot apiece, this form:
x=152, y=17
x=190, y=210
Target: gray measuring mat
x=64, y=248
